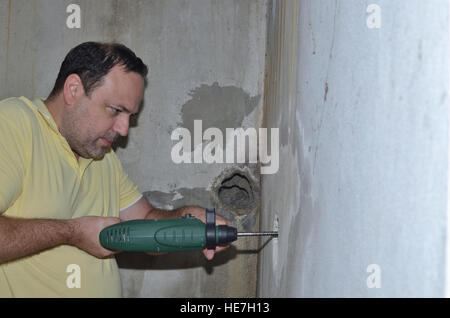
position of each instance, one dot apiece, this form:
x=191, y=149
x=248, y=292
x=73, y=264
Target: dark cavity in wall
x=237, y=192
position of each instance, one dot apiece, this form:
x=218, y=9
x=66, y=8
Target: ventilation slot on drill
x=121, y=235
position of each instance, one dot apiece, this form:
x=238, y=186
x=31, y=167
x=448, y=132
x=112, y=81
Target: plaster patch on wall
x=205, y=198
x=179, y=197
x=217, y=106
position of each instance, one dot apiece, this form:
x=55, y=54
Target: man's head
x=98, y=87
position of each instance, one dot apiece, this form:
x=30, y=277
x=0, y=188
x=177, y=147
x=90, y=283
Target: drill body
x=166, y=235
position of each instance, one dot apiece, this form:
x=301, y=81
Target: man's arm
x=24, y=237
x=142, y=209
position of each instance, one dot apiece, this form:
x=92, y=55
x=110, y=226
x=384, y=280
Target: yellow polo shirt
x=41, y=178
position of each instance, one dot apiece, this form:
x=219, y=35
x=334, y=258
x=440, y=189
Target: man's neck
x=55, y=107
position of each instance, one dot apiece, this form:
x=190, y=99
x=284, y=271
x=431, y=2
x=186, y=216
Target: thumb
x=209, y=254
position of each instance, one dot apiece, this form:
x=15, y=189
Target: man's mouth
x=107, y=142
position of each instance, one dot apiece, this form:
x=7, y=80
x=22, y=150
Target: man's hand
x=144, y=210
x=86, y=231
x=200, y=214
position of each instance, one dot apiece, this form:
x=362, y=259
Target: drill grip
x=167, y=235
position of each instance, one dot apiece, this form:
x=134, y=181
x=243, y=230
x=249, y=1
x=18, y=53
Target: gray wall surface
x=363, y=117
x=361, y=194
x=206, y=61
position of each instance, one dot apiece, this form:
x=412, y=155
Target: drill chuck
x=226, y=234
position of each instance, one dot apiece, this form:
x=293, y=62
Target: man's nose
x=121, y=125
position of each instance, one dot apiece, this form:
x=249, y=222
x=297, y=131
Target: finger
x=209, y=254
x=221, y=248
x=223, y=221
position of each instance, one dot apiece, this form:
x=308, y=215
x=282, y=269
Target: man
x=60, y=182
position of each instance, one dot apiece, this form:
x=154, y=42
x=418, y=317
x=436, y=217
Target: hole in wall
x=276, y=227
x=276, y=222
x=237, y=192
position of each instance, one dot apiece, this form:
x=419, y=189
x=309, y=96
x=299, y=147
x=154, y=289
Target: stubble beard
x=80, y=139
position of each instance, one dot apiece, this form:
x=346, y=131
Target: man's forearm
x=23, y=237
x=166, y=214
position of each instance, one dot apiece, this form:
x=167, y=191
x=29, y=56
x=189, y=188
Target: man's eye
x=114, y=110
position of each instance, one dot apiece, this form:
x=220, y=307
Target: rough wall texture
x=206, y=60
x=363, y=117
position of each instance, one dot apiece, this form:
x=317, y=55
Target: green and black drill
x=171, y=235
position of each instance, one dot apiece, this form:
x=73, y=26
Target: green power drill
x=171, y=235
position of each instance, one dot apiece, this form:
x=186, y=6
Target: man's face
x=92, y=124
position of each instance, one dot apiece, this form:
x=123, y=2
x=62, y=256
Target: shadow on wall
x=176, y=260
x=181, y=260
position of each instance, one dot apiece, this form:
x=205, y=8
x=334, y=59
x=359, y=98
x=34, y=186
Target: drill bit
x=273, y=234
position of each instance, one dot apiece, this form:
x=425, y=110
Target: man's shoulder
x=17, y=117
x=15, y=108
x=13, y=103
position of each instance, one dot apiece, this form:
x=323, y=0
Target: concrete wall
x=206, y=60
x=363, y=117
x=360, y=197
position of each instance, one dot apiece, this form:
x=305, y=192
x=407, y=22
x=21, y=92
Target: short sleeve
x=129, y=191
x=12, y=162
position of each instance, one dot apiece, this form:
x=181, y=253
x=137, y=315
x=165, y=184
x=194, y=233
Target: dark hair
x=92, y=61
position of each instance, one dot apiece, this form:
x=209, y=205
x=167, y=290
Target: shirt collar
x=39, y=105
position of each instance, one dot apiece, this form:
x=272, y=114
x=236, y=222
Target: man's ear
x=73, y=89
